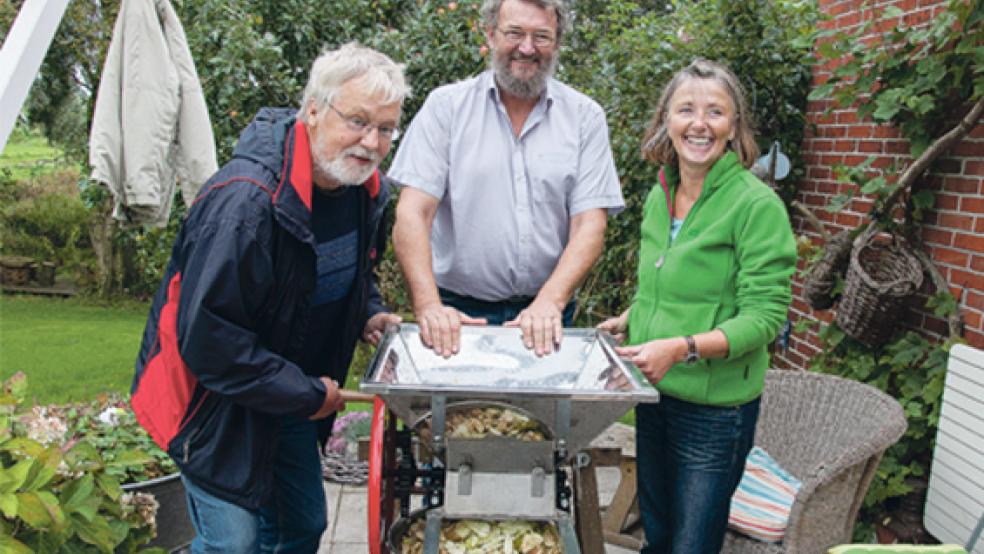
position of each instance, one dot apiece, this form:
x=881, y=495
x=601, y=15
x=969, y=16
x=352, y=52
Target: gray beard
x=340, y=172
x=528, y=88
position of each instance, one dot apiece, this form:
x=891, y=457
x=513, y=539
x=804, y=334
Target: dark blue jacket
x=218, y=362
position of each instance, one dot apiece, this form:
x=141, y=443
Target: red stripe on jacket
x=165, y=388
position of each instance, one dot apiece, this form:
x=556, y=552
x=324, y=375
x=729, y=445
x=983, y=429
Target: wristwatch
x=692, y=356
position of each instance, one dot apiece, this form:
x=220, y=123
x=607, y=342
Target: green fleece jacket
x=729, y=268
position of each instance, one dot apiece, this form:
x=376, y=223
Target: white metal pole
x=22, y=54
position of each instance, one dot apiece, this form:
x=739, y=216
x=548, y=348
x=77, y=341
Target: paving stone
x=352, y=516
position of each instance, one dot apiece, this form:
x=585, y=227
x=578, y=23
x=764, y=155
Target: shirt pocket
x=552, y=178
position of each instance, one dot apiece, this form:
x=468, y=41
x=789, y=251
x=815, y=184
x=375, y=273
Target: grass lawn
x=75, y=349
x=70, y=349
x=28, y=154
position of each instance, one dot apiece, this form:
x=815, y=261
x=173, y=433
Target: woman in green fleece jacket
x=715, y=260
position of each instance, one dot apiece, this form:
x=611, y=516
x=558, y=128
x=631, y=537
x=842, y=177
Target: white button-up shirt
x=505, y=201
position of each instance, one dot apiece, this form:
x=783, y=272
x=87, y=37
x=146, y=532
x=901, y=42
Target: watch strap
x=692, y=355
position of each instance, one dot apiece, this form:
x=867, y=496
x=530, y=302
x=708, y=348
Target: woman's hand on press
x=617, y=327
x=654, y=358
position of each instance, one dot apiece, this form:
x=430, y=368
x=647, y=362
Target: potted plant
x=61, y=469
x=108, y=423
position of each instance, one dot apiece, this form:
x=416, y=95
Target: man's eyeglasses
x=358, y=124
x=541, y=39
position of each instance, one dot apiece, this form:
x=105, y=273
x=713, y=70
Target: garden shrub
x=622, y=53
x=47, y=222
x=252, y=53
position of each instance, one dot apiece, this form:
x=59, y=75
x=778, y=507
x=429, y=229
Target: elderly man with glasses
x=507, y=180
x=269, y=286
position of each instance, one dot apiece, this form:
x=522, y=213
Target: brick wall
x=953, y=232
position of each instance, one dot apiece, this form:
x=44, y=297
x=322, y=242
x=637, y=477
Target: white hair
x=334, y=68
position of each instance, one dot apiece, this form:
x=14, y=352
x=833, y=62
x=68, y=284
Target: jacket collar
x=669, y=176
x=298, y=168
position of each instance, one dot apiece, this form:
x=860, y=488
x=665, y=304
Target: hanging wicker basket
x=879, y=278
x=822, y=276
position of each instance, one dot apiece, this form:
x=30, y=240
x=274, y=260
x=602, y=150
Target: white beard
x=341, y=171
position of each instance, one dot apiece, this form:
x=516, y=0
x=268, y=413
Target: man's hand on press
x=542, y=325
x=440, y=327
x=376, y=326
x=333, y=400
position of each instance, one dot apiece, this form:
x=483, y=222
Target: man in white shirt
x=507, y=180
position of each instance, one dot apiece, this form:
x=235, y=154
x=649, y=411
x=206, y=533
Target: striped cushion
x=760, y=507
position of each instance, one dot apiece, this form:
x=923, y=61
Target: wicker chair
x=830, y=433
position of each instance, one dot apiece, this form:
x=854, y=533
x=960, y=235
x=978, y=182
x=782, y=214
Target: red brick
x=886, y=25
x=832, y=131
x=973, y=242
x=974, y=300
x=839, y=8
x=818, y=105
x=818, y=172
x=972, y=319
x=822, y=146
x=966, y=279
x=848, y=220
x=795, y=359
x=950, y=257
x=814, y=200
x=974, y=167
x=847, y=117
x=861, y=205
x=886, y=131
x=977, y=263
x=859, y=131
x=852, y=161
x=831, y=159
x=937, y=236
x=883, y=163
x=961, y=185
x=977, y=132
x=800, y=305
x=914, y=19
x=974, y=338
x=946, y=202
x=828, y=187
x=845, y=145
x=896, y=147
x=979, y=226
x=967, y=148
x=873, y=146
x=956, y=221
x=972, y=204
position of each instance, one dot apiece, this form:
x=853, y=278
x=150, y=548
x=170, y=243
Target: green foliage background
x=254, y=53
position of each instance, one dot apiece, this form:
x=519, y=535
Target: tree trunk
x=102, y=231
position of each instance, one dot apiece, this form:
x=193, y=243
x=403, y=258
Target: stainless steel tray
x=576, y=391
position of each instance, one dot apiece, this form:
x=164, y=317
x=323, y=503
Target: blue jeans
x=291, y=522
x=499, y=312
x=690, y=459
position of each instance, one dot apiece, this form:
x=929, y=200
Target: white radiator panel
x=955, y=500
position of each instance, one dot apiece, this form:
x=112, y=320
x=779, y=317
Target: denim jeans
x=690, y=459
x=500, y=312
x=291, y=522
